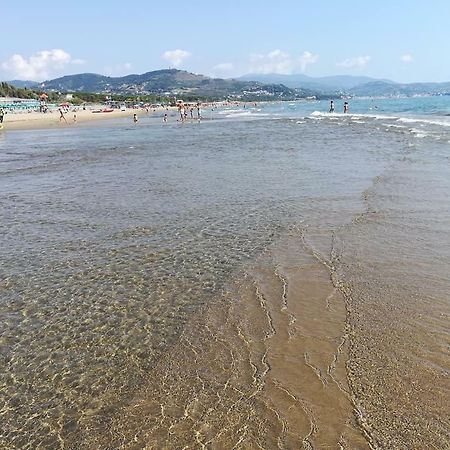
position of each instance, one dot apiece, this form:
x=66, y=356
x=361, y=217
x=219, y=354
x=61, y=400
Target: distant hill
x=179, y=83
x=173, y=82
x=23, y=84
x=7, y=90
x=324, y=84
x=348, y=81
x=381, y=88
x=359, y=86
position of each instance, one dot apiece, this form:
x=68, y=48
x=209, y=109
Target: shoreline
x=50, y=120
x=276, y=348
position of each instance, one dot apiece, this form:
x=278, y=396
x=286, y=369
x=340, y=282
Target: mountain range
x=173, y=82
x=359, y=86
x=330, y=83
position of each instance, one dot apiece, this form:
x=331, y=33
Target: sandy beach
x=36, y=120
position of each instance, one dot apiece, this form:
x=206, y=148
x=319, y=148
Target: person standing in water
x=135, y=118
x=345, y=107
x=331, y=106
x=2, y=114
x=181, y=111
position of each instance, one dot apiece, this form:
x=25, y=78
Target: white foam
x=393, y=125
x=246, y=114
x=334, y=116
x=407, y=120
x=231, y=111
x=421, y=120
x=418, y=133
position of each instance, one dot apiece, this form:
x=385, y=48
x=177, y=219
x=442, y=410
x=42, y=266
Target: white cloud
x=222, y=70
x=356, y=62
x=281, y=62
x=275, y=61
x=306, y=59
x=176, y=57
x=407, y=58
x=223, y=67
x=39, y=66
x=118, y=70
x=78, y=61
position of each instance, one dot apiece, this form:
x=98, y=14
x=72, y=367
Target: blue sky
x=400, y=40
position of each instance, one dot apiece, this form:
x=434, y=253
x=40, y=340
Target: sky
x=401, y=40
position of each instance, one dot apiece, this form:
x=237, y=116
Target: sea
x=272, y=276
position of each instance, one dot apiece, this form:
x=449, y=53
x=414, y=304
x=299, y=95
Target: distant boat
x=104, y=110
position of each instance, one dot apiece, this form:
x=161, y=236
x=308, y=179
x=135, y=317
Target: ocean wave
x=393, y=125
x=231, y=111
x=421, y=120
x=335, y=116
x=418, y=133
x=246, y=114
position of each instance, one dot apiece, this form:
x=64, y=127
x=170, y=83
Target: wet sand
x=264, y=368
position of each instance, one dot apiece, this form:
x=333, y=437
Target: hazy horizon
x=246, y=75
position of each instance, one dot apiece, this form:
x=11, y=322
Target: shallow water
x=230, y=283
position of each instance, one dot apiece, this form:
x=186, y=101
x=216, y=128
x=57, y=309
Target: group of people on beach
x=332, y=107
x=183, y=111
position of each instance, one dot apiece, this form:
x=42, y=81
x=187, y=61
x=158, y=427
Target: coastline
x=36, y=120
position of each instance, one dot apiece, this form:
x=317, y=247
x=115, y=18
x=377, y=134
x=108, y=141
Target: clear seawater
x=115, y=236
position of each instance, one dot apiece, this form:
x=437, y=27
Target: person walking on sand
x=135, y=118
x=61, y=115
x=198, y=111
x=2, y=114
x=331, y=106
